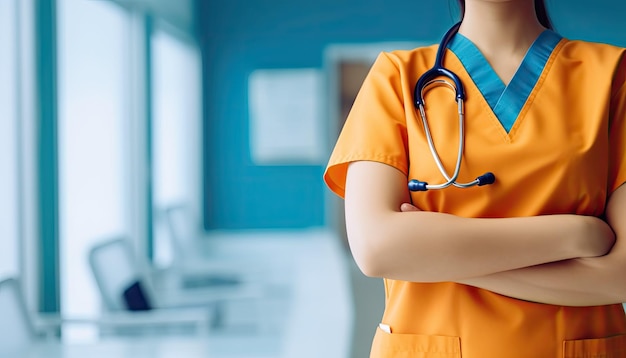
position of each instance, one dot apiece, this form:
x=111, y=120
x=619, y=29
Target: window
x=9, y=220
x=93, y=112
x=176, y=129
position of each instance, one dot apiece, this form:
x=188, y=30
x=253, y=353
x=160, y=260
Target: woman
x=530, y=266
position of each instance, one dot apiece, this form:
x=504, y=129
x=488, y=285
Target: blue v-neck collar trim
x=506, y=102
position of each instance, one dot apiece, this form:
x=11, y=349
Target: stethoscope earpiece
x=430, y=78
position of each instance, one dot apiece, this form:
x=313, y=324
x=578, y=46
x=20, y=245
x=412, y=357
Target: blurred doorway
x=350, y=76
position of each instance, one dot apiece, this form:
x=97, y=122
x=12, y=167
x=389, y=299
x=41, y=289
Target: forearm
x=577, y=282
x=429, y=247
x=433, y=247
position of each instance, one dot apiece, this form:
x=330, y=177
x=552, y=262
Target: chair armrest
x=156, y=317
x=47, y=325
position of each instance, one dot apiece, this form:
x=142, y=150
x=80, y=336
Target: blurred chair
x=244, y=259
x=196, y=264
x=185, y=232
x=16, y=328
x=118, y=277
x=20, y=329
x=125, y=285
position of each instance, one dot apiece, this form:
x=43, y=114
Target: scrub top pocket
x=610, y=347
x=392, y=345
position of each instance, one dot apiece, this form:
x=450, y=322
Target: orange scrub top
x=555, y=138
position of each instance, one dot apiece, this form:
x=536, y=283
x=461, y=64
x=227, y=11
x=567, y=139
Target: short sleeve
x=617, y=130
x=375, y=129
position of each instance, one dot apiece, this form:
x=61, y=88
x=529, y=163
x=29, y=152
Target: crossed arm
x=558, y=259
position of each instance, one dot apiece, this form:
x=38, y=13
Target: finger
x=405, y=207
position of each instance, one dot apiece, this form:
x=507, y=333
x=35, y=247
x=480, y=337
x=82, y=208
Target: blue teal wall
x=598, y=20
x=239, y=36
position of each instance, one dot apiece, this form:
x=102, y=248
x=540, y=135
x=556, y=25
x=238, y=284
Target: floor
x=311, y=314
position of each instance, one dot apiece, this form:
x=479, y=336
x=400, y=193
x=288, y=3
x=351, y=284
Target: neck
x=501, y=26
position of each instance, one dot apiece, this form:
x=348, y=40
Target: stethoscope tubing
x=438, y=70
x=450, y=180
x=432, y=77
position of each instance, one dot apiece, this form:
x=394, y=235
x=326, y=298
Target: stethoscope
x=429, y=78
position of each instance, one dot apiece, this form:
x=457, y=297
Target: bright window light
x=177, y=130
x=9, y=263
x=93, y=109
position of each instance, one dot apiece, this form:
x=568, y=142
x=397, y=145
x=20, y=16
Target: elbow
x=367, y=255
x=380, y=247
x=368, y=266
x=617, y=294
x=620, y=288
x=614, y=285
